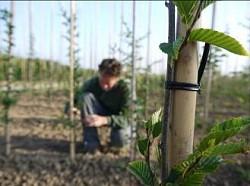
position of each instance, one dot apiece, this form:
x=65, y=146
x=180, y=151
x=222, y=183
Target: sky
x=99, y=26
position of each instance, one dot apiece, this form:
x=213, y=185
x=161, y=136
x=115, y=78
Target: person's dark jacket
x=115, y=100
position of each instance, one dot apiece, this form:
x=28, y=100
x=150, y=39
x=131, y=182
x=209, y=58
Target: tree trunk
x=133, y=85
x=7, y=128
x=50, y=86
x=210, y=75
x=181, y=129
x=31, y=45
x=121, y=31
x=147, y=63
x=72, y=61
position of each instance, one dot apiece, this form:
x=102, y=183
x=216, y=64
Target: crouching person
x=103, y=103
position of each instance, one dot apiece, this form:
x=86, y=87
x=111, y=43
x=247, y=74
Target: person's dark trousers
x=90, y=138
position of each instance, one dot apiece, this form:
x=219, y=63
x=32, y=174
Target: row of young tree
x=177, y=165
x=35, y=71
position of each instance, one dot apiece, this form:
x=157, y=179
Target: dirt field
x=40, y=153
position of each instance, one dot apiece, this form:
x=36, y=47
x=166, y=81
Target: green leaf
x=186, y=9
x=218, y=39
x=142, y=172
x=183, y=166
x=155, y=118
x=222, y=132
x=230, y=148
x=215, y=138
x=172, y=49
x=142, y=146
x=156, y=131
x=209, y=164
x=239, y=122
x=196, y=174
x=195, y=179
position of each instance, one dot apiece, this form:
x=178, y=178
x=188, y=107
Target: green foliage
x=223, y=131
x=141, y=170
x=153, y=125
x=218, y=39
x=6, y=98
x=205, y=159
x=7, y=101
x=172, y=49
x=208, y=155
x=187, y=9
x=142, y=146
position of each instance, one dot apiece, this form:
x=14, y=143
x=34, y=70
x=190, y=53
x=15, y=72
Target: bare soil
x=40, y=152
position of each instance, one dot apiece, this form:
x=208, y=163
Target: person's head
x=109, y=73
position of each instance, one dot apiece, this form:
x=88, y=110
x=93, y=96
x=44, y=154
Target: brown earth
x=40, y=152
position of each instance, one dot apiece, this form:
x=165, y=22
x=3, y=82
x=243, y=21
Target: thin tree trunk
x=210, y=75
x=147, y=63
x=133, y=84
x=181, y=128
x=168, y=95
x=51, y=58
x=121, y=31
x=7, y=128
x=91, y=47
x=31, y=45
x=72, y=61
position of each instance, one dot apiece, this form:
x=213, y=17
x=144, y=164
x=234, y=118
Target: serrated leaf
x=197, y=172
x=218, y=39
x=195, y=179
x=230, y=148
x=223, y=131
x=155, y=118
x=240, y=122
x=172, y=49
x=187, y=9
x=142, y=172
x=156, y=129
x=142, y=146
x=215, y=138
x=209, y=164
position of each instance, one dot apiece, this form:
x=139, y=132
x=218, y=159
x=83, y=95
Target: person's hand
x=76, y=111
x=95, y=121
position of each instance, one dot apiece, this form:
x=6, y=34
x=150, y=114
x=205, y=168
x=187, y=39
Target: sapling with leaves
x=7, y=97
x=188, y=167
x=129, y=61
x=187, y=81
x=70, y=24
x=206, y=158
